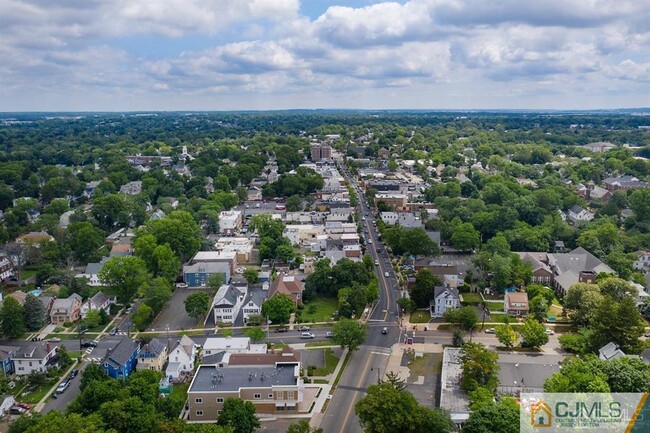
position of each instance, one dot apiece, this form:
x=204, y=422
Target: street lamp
x=268, y=328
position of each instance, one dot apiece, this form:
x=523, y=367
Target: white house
x=92, y=274
x=579, y=215
x=99, y=301
x=253, y=303
x=389, y=218
x=181, y=358
x=230, y=222
x=7, y=402
x=37, y=357
x=444, y=298
x=642, y=262
x=215, y=345
x=227, y=303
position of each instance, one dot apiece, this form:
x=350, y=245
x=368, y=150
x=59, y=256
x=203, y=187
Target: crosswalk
x=94, y=359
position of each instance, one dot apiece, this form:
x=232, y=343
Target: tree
x=197, y=304
x=617, y=288
x=539, y=307
x=124, y=275
x=626, y=374
x=92, y=319
x=303, y=426
x=349, y=334
x=240, y=415
x=142, y=317
x=418, y=243
x=294, y=203
x=506, y=335
x=385, y=410
x=465, y=318
x=480, y=397
x=424, y=289
x=35, y=314
x=457, y=338
x=408, y=305
x=130, y=414
x=12, y=316
x=533, y=333
x=256, y=334
x=620, y=323
x=479, y=367
x=582, y=301
x=180, y=231
x=395, y=381
x=251, y=275
x=166, y=262
x=577, y=375
x=465, y=237
x=278, y=308
x=84, y=240
x=502, y=417
x=156, y=293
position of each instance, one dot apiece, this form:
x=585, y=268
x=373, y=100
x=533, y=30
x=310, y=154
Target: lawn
x=554, y=311
x=319, y=310
x=180, y=391
x=420, y=316
x=425, y=365
x=25, y=274
x=330, y=363
x=35, y=395
x=495, y=306
x=472, y=298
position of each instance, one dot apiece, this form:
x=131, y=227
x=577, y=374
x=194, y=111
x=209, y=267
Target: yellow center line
x=354, y=395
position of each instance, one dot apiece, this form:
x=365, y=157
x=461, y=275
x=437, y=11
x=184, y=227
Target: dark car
x=283, y=329
x=384, y=330
x=113, y=331
x=74, y=374
x=88, y=344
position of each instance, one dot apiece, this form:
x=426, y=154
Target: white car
x=62, y=387
x=181, y=285
x=369, y=241
x=307, y=335
x=490, y=331
x=386, y=274
x=549, y=331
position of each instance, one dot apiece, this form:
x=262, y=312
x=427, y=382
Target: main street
x=368, y=364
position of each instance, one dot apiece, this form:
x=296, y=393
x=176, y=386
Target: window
x=199, y=400
x=257, y=396
x=290, y=395
x=219, y=412
x=270, y=395
x=220, y=400
x=199, y=413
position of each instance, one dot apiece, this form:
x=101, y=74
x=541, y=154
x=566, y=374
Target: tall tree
x=502, y=417
x=349, y=334
x=12, y=316
x=506, y=335
x=197, y=304
x=424, y=288
x=278, y=308
x=533, y=333
x=479, y=367
x=240, y=415
x=465, y=237
x=35, y=314
x=84, y=240
x=180, y=231
x=465, y=318
x=124, y=275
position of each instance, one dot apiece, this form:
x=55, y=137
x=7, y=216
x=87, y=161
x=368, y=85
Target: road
x=62, y=401
x=369, y=362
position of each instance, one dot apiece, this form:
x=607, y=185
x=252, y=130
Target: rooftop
x=212, y=378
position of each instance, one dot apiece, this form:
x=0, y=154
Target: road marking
x=380, y=353
x=354, y=395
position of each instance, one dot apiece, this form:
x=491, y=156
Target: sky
x=142, y=55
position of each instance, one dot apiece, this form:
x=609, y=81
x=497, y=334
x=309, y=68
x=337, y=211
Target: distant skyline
x=168, y=55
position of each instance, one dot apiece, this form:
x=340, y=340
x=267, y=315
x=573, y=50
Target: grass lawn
x=426, y=365
x=495, y=306
x=330, y=363
x=27, y=274
x=554, y=311
x=180, y=391
x=68, y=336
x=319, y=310
x=472, y=298
x=319, y=344
x=35, y=395
x=420, y=316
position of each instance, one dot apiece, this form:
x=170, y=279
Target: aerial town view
x=336, y=216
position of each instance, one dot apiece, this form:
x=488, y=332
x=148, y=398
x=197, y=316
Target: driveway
x=174, y=314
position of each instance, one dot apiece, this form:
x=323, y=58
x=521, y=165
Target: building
x=542, y=273
x=152, y=356
x=181, y=358
x=226, y=303
x=6, y=267
x=99, y=301
x=242, y=247
x=320, y=151
x=288, y=285
x=624, y=183
x=198, y=274
x=273, y=389
x=526, y=372
x=395, y=201
x=578, y=215
x=121, y=360
x=610, y=351
x=66, y=310
x=642, y=262
x=445, y=298
x=145, y=160
x=214, y=345
x=7, y=354
x=5, y=404
x=38, y=356
x=599, y=147
x=132, y=188
x=91, y=273
x=253, y=303
x=593, y=192
x=230, y=222
x=516, y=304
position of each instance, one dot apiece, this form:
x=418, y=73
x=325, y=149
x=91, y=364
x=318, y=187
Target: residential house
x=19, y=296
x=599, y=147
x=6, y=402
x=6, y=267
x=152, y=356
x=99, y=301
x=542, y=273
x=578, y=215
x=444, y=298
x=89, y=190
x=642, y=262
x=516, y=304
x=91, y=273
x=132, y=188
x=254, y=193
x=273, y=389
x=226, y=303
x=230, y=222
x=181, y=358
x=624, y=183
x=121, y=360
x=38, y=356
x=593, y=192
x=253, y=303
x=610, y=351
x=7, y=354
x=198, y=274
x=157, y=215
x=383, y=153
x=288, y=285
x=215, y=345
x=66, y=310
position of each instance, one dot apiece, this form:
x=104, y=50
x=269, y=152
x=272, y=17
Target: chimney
x=47, y=346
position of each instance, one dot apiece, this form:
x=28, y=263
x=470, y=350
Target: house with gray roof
x=610, y=351
x=445, y=298
x=7, y=354
x=253, y=303
x=181, y=358
x=38, y=356
x=227, y=303
x=579, y=215
x=66, y=310
x=99, y=301
x=624, y=183
x=91, y=273
x=152, y=355
x=121, y=360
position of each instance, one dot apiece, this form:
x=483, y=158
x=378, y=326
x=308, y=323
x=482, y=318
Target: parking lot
x=174, y=314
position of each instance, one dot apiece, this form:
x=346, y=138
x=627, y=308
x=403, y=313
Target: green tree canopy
x=12, y=316
x=124, y=275
x=240, y=415
x=349, y=334
x=479, y=367
x=278, y=308
x=198, y=304
x=533, y=333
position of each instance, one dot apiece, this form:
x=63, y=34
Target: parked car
x=307, y=335
x=384, y=330
x=55, y=340
x=62, y=387
x=88, y=344
x=386, y=274
x=181, y=285
x=304, y=328
x=25, y=406
x=17, y=410
x=549, y=331
x=283, y=329
x=490, y=331
x=113, y=331
x=329, y=334
x=74, y=373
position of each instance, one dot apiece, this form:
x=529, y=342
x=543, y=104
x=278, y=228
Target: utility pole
x=268, y=328
x=378, y=374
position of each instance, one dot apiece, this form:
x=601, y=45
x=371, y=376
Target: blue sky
x=278, y=54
